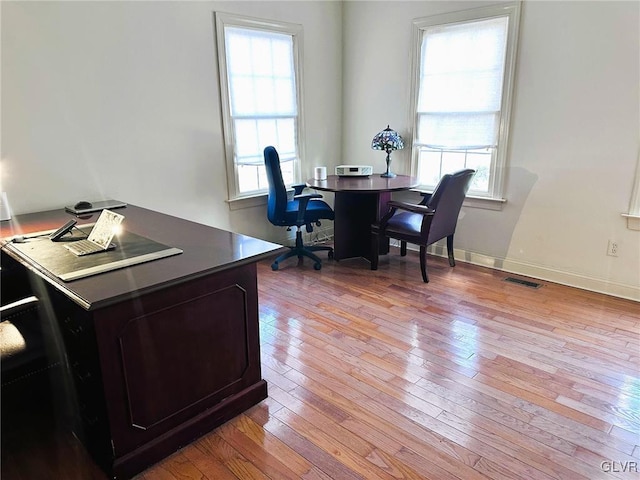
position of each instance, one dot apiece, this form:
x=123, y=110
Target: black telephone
x=63, y=230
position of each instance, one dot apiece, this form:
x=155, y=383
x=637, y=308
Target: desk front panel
x=156, y=372
x=168, y=357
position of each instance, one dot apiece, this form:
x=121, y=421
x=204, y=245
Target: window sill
x=247, y=202
x=633, y=221
x=484, y=202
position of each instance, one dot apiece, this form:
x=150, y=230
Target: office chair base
x=305, y=252
x=302, y=251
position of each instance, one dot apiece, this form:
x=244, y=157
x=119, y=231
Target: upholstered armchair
x=433, y=219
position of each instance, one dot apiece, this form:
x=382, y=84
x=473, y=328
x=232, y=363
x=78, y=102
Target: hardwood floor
x=375, y=375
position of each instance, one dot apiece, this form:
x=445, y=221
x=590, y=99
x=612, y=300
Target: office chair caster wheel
x=317, y=266
x=274, y=266
x=330, y=254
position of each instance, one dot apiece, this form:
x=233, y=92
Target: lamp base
x=388, y=173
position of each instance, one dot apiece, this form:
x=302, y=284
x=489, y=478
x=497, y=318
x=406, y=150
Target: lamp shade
x=387, y=140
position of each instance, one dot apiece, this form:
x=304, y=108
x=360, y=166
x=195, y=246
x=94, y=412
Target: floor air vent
x=525, y=283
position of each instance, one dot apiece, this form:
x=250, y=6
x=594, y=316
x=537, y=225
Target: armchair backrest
x=447, y=200
x=277, y=199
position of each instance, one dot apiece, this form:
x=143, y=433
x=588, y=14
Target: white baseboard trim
x=506, y=265
x=584, y=282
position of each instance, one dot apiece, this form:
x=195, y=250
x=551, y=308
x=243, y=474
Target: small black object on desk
x=82, y=205
x=63, y=230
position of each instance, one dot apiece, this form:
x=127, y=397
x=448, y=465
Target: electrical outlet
x=612, y=248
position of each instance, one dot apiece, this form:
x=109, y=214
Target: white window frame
x=633, y=217
x=223, y=20
x=495, y=196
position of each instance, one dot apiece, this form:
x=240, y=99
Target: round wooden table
x=360, y=202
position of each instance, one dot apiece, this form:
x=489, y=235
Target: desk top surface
x=368, y=184
x=205, y=250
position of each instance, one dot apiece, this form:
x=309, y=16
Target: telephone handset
x=63, y=230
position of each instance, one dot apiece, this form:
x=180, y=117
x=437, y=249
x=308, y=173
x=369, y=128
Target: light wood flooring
x=376, y=375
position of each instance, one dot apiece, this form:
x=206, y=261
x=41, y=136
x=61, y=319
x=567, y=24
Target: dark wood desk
x=161, y=352
x=360, y=202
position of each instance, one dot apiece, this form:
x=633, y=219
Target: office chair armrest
x=411, y=207
x=307, y=195
x=298, y=188
x=303, y=201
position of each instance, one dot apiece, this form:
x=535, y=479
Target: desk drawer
x=76, y=327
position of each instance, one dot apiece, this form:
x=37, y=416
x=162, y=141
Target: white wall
x=574, y=143
x=121, y=100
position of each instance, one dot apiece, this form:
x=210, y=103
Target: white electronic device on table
x=354, y=170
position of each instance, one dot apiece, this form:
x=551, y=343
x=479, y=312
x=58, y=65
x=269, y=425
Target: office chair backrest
x=277, y=199
x=447, y=200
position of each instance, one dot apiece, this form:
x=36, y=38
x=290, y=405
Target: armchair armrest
x=426, y=197
x=18, y=307
x=411, y=207
x=394, y=205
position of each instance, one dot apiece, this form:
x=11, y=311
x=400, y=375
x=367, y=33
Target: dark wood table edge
x=323, y=185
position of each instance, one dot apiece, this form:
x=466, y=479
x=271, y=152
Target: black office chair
x=433, y=219
x=22, y=350
x=303, y=210
x=31, y=398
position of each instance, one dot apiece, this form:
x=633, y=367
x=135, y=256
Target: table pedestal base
x=355, y=213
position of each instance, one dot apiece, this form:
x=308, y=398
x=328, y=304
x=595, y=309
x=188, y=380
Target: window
x=462, y=85
x=259, y=83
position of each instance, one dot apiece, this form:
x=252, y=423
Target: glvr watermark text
x=621, y=467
